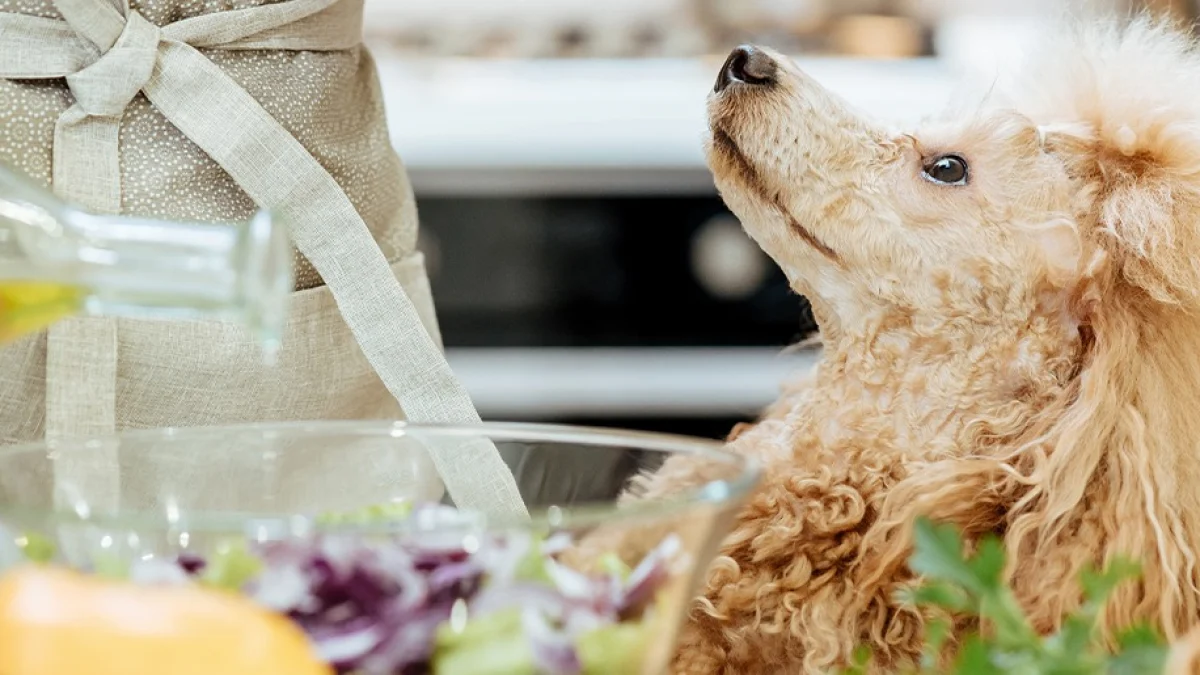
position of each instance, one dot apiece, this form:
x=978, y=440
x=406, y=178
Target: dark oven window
x=610, y=272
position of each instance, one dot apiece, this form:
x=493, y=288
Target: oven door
x=632, y=310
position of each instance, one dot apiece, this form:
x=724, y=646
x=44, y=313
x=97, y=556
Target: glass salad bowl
x=333, y=545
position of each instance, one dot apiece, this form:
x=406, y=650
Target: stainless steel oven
x=608, y=307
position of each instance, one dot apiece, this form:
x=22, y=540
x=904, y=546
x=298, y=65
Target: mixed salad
x=429, y=603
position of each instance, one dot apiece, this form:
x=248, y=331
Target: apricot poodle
x=1009, y=302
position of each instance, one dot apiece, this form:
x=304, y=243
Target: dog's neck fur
x=917, y=390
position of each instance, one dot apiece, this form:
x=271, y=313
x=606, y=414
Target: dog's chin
x=733, y=169
x=741, y=191
x=748, y=192
x=800, y=262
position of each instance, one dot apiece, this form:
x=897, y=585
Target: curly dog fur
x=1019, y=354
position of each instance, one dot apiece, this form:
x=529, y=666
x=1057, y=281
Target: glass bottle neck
x=142, y=268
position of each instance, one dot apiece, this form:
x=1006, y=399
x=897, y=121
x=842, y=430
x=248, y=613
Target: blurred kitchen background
x=584, y=268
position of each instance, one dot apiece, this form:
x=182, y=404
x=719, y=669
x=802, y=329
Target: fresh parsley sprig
x=972, y=586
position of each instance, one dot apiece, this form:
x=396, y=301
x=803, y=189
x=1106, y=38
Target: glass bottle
x=58, y=261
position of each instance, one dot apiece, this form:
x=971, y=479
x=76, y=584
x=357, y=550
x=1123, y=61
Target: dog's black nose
x=747, y=65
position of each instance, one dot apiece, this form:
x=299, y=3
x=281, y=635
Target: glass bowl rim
x=713, y=494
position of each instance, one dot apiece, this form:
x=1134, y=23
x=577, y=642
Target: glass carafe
x=57, y=261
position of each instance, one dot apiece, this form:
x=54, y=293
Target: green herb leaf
x=938, y=594
x=973, y=588
x=1074, y=637
x=939, y=555
x=1138, y=660
x=987, y=566
x=860, y=661
x=1012, y=629
x=1142, y=650
x=975, y=659
x=1139, y=635
x=1097, y=586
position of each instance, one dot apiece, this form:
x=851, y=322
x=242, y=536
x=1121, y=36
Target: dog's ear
x=1121, y=106
x=1115, y=456
x=1141, y=187
x=1110, y=466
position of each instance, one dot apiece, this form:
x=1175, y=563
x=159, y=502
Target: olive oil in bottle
x=58, y=261
x=30, y=306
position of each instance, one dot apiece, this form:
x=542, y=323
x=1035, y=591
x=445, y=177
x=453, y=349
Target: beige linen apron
x=204, y=110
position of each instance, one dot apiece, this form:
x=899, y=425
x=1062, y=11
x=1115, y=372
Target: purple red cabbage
x=375, y=605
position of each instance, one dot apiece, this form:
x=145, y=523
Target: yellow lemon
x=60, y=622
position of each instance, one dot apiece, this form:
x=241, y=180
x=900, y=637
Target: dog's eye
x=947, y=170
